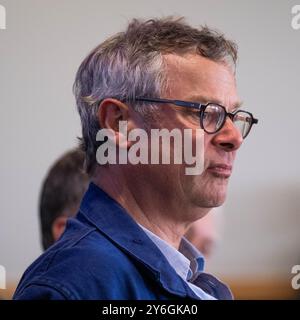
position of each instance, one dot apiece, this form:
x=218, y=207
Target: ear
x=58, y=227
x=111, y=112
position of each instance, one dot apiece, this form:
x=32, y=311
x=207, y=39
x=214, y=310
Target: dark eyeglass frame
x=201, y=107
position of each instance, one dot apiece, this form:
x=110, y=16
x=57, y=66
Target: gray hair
x=131, y=64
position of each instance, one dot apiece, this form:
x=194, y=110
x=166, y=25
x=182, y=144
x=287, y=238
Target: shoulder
x=91, y=267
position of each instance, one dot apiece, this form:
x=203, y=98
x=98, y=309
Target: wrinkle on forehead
x=193, y=75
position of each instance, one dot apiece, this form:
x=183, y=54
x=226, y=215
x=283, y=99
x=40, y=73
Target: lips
x=220, y=169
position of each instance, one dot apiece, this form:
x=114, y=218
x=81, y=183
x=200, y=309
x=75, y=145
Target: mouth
x=220, y=169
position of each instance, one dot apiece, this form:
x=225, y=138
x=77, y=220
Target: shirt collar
x=186, y=261
x=197, y=261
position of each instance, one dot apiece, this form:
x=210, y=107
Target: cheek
x=207, y=144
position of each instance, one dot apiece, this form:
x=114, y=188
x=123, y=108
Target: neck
x=147, y=204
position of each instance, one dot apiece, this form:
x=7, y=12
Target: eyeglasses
x=212, y=115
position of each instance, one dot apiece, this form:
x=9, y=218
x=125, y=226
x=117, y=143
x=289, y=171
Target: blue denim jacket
x=104, y=254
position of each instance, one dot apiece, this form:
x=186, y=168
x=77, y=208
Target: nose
x=228, y=138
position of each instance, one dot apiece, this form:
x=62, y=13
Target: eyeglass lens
x=214, y=118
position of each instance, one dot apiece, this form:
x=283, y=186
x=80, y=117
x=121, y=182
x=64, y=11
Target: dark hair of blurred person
x=61, y=193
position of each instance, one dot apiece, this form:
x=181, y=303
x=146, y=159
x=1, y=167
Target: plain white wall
x=42, y=47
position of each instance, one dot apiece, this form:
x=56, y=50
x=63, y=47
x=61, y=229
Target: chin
x=208, y=193
x=211, y=201
x=218, y=198
x=217, y=203
x=213, y=197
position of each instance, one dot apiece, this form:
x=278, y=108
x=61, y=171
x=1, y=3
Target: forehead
x=191, y=76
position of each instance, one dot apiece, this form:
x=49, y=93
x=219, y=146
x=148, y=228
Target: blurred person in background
x=204, y=233
x=61, y=194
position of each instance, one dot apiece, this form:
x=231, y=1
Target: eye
x=193, y=115
x=196, y=114
x=210, y=115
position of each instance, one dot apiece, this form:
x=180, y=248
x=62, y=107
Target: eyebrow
x=205, y=99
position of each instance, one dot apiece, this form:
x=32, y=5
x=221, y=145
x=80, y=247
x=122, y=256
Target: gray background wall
x=39, y=53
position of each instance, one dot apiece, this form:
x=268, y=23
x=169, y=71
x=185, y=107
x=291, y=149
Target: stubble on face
x=191, y=76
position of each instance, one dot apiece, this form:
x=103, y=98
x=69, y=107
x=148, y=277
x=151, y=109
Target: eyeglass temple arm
x=252, y=119
x=180, y=103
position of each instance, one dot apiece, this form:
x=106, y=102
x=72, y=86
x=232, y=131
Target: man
x=62, y=191
x=127, y=239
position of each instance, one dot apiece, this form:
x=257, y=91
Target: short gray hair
x=130, y=64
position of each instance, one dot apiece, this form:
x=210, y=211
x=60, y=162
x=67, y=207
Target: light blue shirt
x=187, y=261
